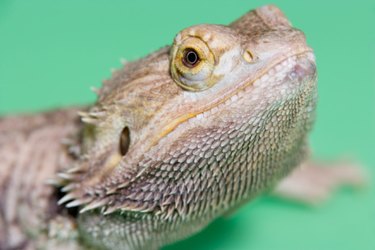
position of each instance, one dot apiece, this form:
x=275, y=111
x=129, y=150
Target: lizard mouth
x=277, y=66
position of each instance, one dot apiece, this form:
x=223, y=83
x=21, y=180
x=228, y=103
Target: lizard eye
x=124, y=141
x=192, y=64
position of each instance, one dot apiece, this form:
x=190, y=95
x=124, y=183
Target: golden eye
x=190, y=58
x=192, y=64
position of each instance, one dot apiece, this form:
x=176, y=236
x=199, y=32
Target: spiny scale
x=67, y=197
x=94, y=205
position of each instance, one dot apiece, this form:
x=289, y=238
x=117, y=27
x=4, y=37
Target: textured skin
x=203, y=141
x=31, y=153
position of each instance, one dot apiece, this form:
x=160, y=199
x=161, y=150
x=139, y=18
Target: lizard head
x=217, y=116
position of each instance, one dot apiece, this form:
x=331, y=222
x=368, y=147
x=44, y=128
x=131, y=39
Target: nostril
x=124, y=141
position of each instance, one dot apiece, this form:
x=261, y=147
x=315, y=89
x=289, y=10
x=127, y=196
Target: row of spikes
x=67, y=179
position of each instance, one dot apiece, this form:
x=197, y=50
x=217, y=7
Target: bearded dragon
x=176, y=139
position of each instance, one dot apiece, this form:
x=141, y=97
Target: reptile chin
x=297, y=68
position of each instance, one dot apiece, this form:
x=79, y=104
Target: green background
x=51, y=52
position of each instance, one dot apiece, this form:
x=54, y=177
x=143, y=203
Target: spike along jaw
x=105, y=141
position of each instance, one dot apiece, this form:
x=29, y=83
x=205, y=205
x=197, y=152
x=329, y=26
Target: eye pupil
x=191, y=58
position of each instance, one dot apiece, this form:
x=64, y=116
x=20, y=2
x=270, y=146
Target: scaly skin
x=169, y=146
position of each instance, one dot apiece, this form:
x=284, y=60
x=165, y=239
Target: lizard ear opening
x=124, y=141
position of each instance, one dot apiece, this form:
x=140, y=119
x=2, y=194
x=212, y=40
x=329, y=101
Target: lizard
x=175, y=140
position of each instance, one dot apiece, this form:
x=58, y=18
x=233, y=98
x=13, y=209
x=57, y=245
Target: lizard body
x=174, y=141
